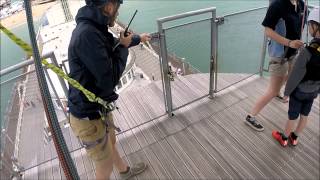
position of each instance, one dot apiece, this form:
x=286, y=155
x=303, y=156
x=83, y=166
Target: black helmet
x=99, y=2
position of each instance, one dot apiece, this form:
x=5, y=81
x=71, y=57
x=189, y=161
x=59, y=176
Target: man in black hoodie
x=97, y=65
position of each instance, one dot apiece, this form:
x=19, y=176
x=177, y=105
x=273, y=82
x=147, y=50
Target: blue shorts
x=300, y=103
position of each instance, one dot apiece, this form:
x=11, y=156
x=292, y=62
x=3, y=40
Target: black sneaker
x=293, y=139
x=281, y=99
x=252, y=122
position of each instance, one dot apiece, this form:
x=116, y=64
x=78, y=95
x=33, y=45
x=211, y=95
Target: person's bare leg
x=118, y=161
x=289, y=127
x=285, y=80
x=275, y=84
x=104, y=169
x=302, y=124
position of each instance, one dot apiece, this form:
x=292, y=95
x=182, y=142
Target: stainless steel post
x=215, y=59
x=62, y=82
x=263, y=55
x=55, y=92
x=165, y=69
x=213, y=55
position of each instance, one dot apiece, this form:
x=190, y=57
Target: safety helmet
x=99, y=2
x=314, y=15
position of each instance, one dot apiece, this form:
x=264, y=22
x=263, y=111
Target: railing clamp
x=156, y=35
x=170, y=73
x=219, y=20
x=213, y=63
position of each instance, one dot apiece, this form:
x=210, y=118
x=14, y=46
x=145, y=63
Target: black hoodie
x=93, y=63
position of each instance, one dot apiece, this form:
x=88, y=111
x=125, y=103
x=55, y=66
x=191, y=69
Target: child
x=303, y=84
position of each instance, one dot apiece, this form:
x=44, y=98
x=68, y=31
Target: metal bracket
x=219, y=20
x=213, y=63
x=171, y=74
x=155, y=35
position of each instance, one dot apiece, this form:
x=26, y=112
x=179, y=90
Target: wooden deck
x=207, y=139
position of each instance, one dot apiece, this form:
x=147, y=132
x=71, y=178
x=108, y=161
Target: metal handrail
x=185, y=24
x=184, y=15
x=246, y=11
x=163, y=56
x=214, y=45
x=25, y=63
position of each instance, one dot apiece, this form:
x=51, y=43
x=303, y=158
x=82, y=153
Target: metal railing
x=241, y=47
x=19, y=101
x=164, y=28
x=213, y=61
x=242, y=39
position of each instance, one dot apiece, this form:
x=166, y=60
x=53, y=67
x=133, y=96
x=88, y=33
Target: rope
x=66, y=10
x=58, y=139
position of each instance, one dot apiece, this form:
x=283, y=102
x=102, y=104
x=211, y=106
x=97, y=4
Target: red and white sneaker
x=278, y=136
x=293, y=139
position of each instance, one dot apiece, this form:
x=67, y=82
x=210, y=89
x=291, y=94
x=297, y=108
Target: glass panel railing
x=8, y=120
x=26, y=139
x=188, y=48
x=240, y=41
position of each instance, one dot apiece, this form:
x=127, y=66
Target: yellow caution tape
x=27, y=48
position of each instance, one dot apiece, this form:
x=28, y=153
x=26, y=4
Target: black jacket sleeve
x=135, y=40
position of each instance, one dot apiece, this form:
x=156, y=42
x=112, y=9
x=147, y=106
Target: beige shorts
x=91, y=131
x=278, y=69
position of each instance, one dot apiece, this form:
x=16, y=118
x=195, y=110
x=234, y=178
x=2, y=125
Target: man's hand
x=285, y=98
x=125, y=41
x=144, y=37
x=296, y=44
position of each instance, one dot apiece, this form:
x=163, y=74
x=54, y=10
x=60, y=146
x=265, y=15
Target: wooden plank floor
x=207, y=139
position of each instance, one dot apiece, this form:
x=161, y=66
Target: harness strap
x=104, y=139
x=104, y=114
x=90, y=145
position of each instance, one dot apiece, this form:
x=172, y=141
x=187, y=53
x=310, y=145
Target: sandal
x=281, y=99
